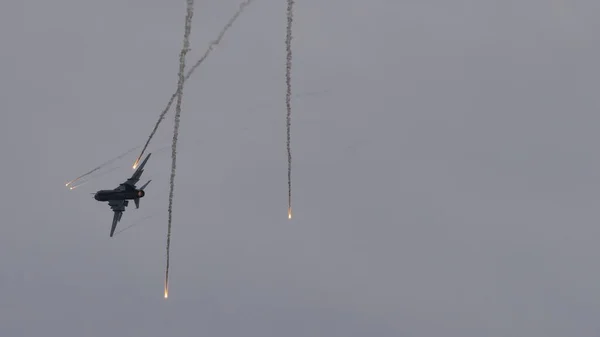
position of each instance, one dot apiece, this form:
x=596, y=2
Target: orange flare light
x=137, y=161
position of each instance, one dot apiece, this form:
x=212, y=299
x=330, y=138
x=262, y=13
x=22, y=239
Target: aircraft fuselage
x=107, y=195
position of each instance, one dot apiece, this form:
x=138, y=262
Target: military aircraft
x=119, y=197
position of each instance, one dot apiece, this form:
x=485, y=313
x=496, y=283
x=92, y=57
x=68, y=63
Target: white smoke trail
x=90, y=178
x=288, y=97
x=191, y=71
x=184, y=50
x=101, y=166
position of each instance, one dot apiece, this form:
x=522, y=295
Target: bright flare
x=166, y=292
x=74, y=187
x=289, y=212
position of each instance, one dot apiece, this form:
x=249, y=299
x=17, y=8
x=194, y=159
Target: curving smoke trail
x=288, y=97
x=184, y=50
x=101, y=166
x=218, y=39
x=93, y=177
x=191, y=71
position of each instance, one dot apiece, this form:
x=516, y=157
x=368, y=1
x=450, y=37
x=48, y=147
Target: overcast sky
x=445, y=173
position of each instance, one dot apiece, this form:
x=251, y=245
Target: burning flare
x=80, y=184
x=289, y=212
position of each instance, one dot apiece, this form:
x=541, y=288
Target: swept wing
x=118, y=206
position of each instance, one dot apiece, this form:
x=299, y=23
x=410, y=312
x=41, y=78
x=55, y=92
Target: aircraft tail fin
x=146, y=184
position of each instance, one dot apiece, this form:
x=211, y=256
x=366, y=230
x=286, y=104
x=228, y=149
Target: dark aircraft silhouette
x=119, y=197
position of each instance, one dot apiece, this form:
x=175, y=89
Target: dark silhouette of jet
x=119, y=197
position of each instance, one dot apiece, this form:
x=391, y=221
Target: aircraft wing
x=137, y=174
x=118, y=206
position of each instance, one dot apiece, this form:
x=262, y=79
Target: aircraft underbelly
x=115, y=196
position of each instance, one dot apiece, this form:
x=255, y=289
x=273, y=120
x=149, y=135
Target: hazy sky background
x=445, y=179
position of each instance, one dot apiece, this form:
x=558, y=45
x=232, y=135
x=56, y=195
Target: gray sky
x=445, y=184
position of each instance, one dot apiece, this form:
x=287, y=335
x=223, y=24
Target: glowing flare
x=72, y=181
x=74, y=187
x=80, y=184
x=289, y=212
x=166, y=292
x=137, y=161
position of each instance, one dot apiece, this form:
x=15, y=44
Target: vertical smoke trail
x=219, y=37
x=191, y=71
x=288, y=97
x=184, y=50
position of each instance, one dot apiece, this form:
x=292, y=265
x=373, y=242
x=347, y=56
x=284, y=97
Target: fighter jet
x=119, y=197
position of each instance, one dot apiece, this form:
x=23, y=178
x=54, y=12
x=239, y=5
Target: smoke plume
x=288, y=97
x=184, y=50
x=191, y=71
